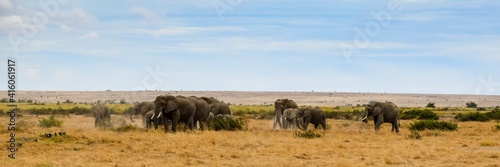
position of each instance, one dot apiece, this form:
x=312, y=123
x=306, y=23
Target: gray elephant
x=210, y=100
x=176, y=109
x=141, y=109
x=201, y=114
x=279, y=106
x=102, y=115
x=382, y=112
x=150, y=119
x=291, y=117
x=220, y=108
x=315, y=116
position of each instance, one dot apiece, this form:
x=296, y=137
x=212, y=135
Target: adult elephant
x=141, y=109
x=176, y=109
x=382, y=112
x=315, y=116
x=279, y=106
x=201, y=114
x=210, y=100
x=291, y=117
x=102, y=115
x=220, y=108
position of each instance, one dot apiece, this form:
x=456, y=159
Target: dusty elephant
x=141, y=109
x=102, y=115
x=291, y=117
x=176, y=109
x=279, y=106
x=382, y=112
x=202, y=112
x=315, y=116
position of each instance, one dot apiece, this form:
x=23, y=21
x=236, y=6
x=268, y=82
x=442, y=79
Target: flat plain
x=345, y=143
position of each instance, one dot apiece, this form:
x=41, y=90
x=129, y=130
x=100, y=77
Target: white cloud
x=145, y=12
x=5, y=5
x=75, y=16
x=66, y=28
x=90, y=35
x=11, y=23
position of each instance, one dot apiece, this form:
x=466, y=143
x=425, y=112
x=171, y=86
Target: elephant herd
x=171, y=110
x=289, y=115
x=193, y=111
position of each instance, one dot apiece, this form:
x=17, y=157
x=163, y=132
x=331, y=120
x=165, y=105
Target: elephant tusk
x=159, y=115
x=153, y=116
x=364, y=118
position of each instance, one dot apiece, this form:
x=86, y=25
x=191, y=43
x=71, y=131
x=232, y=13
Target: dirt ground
x=258, y=98
x=347, y=143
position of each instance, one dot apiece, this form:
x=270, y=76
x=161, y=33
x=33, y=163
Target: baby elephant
x=315, y=116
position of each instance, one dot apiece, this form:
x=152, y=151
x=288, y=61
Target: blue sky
x=418, y=46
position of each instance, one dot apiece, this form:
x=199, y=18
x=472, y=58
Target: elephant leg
x=380, y=120
x=323, y=125
x=144, y=121
x=316, y=126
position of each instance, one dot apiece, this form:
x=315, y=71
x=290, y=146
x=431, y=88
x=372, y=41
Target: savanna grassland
x=344, y=143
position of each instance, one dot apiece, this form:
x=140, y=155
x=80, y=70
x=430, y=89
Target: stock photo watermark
x=47, y=9
x=372, y=29
x=223, y=6
x=152, y=79
x=12, y=107
x=487, y=85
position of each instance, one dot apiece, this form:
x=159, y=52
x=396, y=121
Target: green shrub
x=482, y=117
x=431, y=105
x=494, y=114
x=80, y=111
x=220, y=123
x=420, y=114
x=471, y=104
x=50, y=122
x=309, y=134
x=433, y=125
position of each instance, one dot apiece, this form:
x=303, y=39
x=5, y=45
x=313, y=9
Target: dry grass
x=347, y=143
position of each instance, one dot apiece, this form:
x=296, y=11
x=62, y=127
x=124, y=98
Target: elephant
x=201, y=114
x=176, y=109
x=210, y=116
x=141, y=109
x=315, y=116
x=291, y=118
x=382, y=112
x=210, y=100
x=102, y=115
x=279, y=106
x=150, y=119
x=220, y=108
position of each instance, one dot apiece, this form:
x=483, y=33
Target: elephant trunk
x=155, y=119
x=364, y=116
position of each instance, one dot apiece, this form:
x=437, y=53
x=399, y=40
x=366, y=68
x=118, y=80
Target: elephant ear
x=214, y=107
x=377, y=109
x=172, y=103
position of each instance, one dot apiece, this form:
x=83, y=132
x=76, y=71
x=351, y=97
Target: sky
x=393, y=46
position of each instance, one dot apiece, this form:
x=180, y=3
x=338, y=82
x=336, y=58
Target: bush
x=433, y=125
x=309, y=134
x=472, y=117
x=471, y=104
x=221, y=123
x=80, y=111
x=50, y=122
x=420, y=114
x=431, y=105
